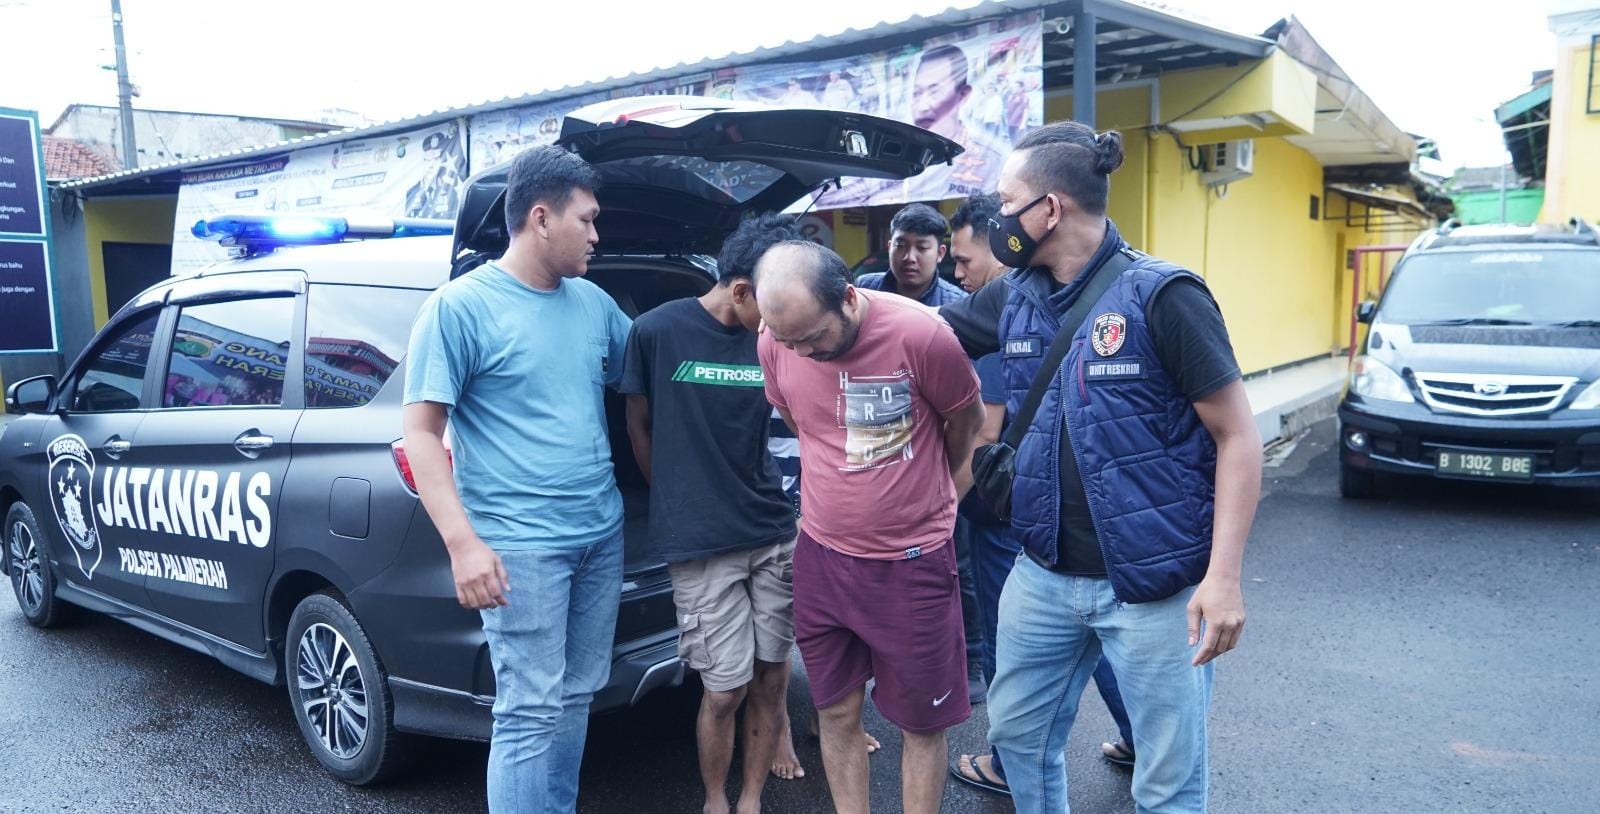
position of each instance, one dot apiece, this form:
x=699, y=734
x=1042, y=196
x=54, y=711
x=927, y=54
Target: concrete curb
x=1285, y=402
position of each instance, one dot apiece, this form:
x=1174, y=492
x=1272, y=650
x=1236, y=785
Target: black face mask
x=1011, y=244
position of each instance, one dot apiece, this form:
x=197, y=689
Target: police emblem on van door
x=71, y=495
x=1108, y=333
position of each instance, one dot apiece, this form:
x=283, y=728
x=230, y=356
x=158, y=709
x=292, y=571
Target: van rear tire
x=339, y=693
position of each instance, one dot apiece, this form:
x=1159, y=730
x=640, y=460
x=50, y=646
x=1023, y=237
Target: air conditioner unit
x=1227, y=161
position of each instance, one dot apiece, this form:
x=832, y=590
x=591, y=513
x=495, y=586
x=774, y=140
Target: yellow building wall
x=1277, y=85
x=849, y=239
x=1280, y=277
x=1265, y=259
x=142, y=219
x=1179, y=205
x=1572, y=177
x=1270, y=266
x=1126, y=110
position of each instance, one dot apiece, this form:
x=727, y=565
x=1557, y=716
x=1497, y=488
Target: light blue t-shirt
x=523, y=373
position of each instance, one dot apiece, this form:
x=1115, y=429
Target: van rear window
x=355, y=339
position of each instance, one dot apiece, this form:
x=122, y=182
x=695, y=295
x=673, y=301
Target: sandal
x=1119, y=753
x=980, y=778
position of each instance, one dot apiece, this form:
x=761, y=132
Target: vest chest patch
x=1120, y=370
x=1108, y=334
x=1023, y=347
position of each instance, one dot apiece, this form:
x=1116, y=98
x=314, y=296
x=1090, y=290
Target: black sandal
x=983, y=780
x=1119, y=753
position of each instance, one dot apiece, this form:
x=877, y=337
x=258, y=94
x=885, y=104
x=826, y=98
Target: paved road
x=1435, y=651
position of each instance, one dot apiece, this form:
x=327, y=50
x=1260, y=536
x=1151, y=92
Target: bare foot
x=719, y=807
x=785, y=763
x=815, y=728
x=749, y=806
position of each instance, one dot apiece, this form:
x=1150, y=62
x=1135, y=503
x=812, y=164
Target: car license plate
x=1463, y=463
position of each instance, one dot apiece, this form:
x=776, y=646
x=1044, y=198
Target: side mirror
x=31, y=395
x=1365, y=312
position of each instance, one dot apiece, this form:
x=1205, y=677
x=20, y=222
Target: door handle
x=248, y=443
x=116, y=446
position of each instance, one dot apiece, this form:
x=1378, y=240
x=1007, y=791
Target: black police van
x=1482, y=362
x=222, y=466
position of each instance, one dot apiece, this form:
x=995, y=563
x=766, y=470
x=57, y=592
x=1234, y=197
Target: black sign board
x=21, y=176
x=27, y=315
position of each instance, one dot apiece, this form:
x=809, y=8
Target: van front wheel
x=24, y=561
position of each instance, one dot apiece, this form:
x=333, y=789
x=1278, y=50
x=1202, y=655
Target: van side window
x=113, y=379
x=230, y=354
x=355, y=338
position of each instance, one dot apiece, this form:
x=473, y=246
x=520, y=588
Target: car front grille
x=1492, y=395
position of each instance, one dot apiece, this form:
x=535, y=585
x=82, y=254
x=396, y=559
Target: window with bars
x=1592, y=99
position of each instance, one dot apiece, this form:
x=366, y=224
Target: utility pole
x=1502, y=193
x=130, y=154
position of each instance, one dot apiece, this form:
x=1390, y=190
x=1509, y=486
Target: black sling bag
x=994, y=465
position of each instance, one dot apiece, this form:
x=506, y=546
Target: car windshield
x=1529, y=286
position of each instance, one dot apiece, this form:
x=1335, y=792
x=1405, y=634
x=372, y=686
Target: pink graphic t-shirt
x=875, y=479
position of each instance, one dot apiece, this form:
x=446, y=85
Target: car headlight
x=1372, y=379
x=1589, y=399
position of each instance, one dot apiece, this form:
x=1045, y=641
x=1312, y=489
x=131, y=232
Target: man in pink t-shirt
x=885, y=404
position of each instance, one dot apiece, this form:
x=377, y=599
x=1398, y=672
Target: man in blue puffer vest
x=1136, y=481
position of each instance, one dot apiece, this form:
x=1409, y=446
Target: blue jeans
x=1105, y=679
x=1053, y=630
x=971, y=618
x=994, y=551
x=551, y=648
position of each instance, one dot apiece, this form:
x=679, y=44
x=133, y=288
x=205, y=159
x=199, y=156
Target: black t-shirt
x=1192, y=345
x=714, y=486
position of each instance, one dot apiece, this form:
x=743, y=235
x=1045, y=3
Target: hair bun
x=1108, y=152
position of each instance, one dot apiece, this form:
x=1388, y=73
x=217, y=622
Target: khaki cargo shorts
x=735, y=608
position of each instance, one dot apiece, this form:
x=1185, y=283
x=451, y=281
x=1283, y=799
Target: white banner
x=498, y=136
x=416, y=174
x=982, y=86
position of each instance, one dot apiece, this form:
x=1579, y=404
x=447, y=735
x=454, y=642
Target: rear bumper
x=637, y=673
x=1405, y=439
x=637, y=669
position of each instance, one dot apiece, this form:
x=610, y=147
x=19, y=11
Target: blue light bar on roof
x=303, y=230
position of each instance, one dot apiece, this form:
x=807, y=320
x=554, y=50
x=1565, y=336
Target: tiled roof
x=70, y=158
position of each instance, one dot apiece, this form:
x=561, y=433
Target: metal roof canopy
x=1133, y=40
x=1525, y=127
x=1129, y=39
x=1399, y=210
x=1350, y=129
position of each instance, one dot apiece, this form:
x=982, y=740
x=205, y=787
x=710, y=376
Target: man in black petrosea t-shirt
x=698, y=420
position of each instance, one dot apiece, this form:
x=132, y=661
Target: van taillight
x=403, y=463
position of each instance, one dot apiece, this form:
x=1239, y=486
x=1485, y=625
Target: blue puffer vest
x=1148, y=465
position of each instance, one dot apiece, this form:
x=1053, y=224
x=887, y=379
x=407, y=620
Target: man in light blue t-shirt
x=514, y=355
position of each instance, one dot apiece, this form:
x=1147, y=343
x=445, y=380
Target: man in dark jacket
x=1136, y=480
x=917, y=237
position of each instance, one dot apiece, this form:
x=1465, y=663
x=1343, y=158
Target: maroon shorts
x=897, y=621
